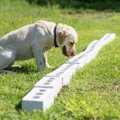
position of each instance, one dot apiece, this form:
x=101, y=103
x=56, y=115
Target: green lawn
x=94, y=91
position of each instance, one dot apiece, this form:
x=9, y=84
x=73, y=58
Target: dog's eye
x=71, y=42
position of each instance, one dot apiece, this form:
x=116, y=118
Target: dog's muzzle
x=68, y=54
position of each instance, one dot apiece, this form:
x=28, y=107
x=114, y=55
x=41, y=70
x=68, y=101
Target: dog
x=34, y=40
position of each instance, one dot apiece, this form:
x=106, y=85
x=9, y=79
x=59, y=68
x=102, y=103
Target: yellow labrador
x=33, y=41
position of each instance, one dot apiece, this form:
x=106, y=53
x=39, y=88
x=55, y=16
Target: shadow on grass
x=25, y=69
x=18, y=106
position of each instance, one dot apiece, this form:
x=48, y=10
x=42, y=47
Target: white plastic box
x=54, y=83
x=38, y=99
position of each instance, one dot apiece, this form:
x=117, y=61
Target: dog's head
x=67, y=38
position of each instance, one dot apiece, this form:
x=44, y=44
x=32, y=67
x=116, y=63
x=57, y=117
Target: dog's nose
x=73, y=53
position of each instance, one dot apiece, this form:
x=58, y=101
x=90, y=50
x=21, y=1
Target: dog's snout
x=73, y=53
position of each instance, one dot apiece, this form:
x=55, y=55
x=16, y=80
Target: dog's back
x=20, y=41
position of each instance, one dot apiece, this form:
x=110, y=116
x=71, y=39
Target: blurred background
x=89, y=4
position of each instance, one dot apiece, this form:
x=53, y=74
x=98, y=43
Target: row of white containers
x=43, y=93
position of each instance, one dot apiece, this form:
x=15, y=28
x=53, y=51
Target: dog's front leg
x=38, y=54
x=40, y=61
x=46, y=60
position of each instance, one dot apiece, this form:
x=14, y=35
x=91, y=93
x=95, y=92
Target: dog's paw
x=41, y=68
x=48, y=66
x=16, y=66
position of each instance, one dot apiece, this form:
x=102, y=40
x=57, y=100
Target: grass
x=94, y=91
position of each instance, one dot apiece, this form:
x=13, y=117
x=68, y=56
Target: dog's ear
x=61, y=35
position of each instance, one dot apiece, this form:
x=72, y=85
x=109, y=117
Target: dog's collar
x=55, y=36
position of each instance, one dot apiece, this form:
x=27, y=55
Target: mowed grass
x=94, y=91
